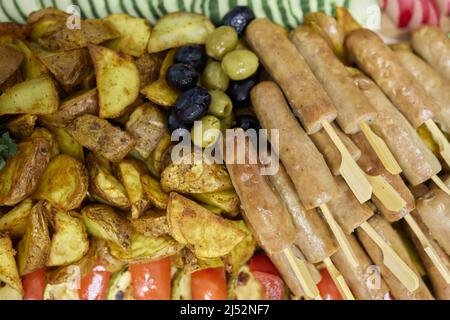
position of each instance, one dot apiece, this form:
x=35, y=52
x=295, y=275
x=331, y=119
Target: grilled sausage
x=287, y=67
x=352, y=106
x=393, y=239
x=416, y=160
x=374, y=57
x=305, y=165
x=364, y=283
x=433, y=45
x=434, y=84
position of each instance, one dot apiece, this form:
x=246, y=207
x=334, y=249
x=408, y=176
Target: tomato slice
x=34, y=285
x=260, y=262
x=327, y=288
x=94, y=285
x=151, y=281
x=209, y=284
x=273, y=285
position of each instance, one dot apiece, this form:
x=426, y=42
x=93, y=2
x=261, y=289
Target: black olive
x=239, y=91
x=182, y=76
x=193, y=55
x=191, y=105
x=239, y=18
x=247, y=122
x=173, y=123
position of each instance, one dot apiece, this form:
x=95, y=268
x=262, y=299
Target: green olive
x=221, y=41
x=228, y=122
x=240, y=64
x=214, y=78
x=205, y=132
x=221, y=105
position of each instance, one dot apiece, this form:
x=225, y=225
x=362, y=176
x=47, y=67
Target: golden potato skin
x=15, y=220
x=33, y=249
x=101, y=137
x=64, y=183
x=23, y=171
x=149, y=65
x=10, y=61
x=8, y=268
x=22, y=126
x=151, y=224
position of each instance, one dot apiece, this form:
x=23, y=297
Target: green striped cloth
x=285, y=12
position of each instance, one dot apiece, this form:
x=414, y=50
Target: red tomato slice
x=34, y=285
x=327, y=288
x=151, y=281
x=260, y=262
x=273, y=285
x=209, y=284
x=94, y=285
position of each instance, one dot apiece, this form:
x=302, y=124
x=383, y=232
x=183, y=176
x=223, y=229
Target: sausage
x=433, y=45
x=352, y=106
x=393, y=239
x=303, y=162
x=434, y=84
x=374, y=57
x=417, y=162
x=288, y=68
x=434, y=210
x=441, y=288
x=346, y=208
x=332, y=155
x=371, y=165
x=364, y=284
x=314, y=238
x=263, y=208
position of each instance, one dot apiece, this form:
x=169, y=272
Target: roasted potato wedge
x=110, y=263
x=69, y=241
x=134, y=34
x=42, y=133
x=16, y=78
x=22, y=126
x=8, y=268
x=15, y=221
x=208, y=235
x=67, y=144
x=160, y=93
x=102, y=138
x=228, y=201
x=104, y=223
x=149, y=65
x=10, y=61
x=118, y=81
x=22, y=172
x=144, y=249
x=152, y=224
x=179, y=28
x=103, y=185
x=36, y=96
x=154, y=192
x=84, y=103
x=147, y=125
x=186, y=260
x=195, y=177
x=129, y=173
x=32, y=66
x=64, y=183
x=69, y=68
x=20, y=31
x=33, y=249
x=242, y=252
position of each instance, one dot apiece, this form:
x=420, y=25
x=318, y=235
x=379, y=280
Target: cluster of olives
x=227, y=71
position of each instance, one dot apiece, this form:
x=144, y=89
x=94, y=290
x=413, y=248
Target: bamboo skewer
x=350, y=171
x=428, y=248
x=381, y=149
x=303, y=275
x=388, y=196
x=339, y=280
x=392, y=260
x=441, y=184
x=340, y=236
x=440, y=139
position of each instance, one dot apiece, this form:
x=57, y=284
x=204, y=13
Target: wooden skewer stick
x=393, y=261
x=338, y=280
x=388, y=196
x=381, y=149
x=303, y=275
x=340, y=236
x=441, y=184
x=440, y=266
x=350, y=171
x=440, y=139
